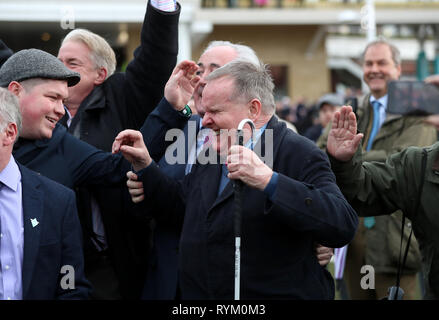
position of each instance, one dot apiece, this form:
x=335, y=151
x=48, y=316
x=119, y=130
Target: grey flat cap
x=332, y=99
x=34, y=63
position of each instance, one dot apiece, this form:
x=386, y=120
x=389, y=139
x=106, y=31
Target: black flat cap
x=34, y=63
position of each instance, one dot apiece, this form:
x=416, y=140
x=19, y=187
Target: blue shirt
x=11, y=233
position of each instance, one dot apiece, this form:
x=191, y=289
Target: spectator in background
x=327, y=105
x=98, y=107
x=408, y=180
x=378, y=239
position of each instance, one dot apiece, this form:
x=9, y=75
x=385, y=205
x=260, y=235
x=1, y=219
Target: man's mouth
x=52, y=120
x=376, y=77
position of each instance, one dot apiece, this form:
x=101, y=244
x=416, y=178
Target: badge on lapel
x=34, y=222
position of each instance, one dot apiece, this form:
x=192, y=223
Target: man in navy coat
x=290, y=203
x=41, y=253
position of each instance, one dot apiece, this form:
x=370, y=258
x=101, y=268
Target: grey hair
x=101, y=52
x=243, y=52
x=396, y=55
x=9, y=110
x=252, y=81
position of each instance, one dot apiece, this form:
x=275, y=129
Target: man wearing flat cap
x=40, y=81
x=41, y=255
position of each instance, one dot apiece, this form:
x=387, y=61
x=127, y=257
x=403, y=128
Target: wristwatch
x=186, y=111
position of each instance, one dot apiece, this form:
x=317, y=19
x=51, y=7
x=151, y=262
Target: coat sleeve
x=414, y=133
x=72, y=254
x=312, y=202
x=91, y=166
x=163, y=118
x=154, y=60
x=380, y=188
x=164, y=196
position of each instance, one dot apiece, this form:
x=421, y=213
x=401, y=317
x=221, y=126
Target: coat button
x=308, y=201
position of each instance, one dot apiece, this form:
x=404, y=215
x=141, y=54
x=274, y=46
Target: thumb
x=356, y=141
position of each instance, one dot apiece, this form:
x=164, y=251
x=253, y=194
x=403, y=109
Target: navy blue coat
x=123, y=101
x=70, y=161
x=278, y=237
x=162, y=274
x=53, y=243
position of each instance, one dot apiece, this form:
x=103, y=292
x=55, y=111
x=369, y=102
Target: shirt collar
x=11, y=175
x=382, y=100
x=69, y=116
x=250, y=144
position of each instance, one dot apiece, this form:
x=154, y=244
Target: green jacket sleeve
x=380, y=188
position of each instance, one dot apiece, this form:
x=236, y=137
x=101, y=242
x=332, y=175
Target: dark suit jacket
x=122, y=102
x=278, y=235
x=5, y=53
x=53, y=243
x=162, y=273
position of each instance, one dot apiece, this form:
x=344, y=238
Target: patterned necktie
x=369, y=222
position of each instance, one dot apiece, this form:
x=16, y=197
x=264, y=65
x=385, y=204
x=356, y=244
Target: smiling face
x=209, y=61
x=77, y=57
x=379, y=68
x=41, y=106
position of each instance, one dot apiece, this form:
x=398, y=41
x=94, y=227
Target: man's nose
x=59, y=108
x=206, y=120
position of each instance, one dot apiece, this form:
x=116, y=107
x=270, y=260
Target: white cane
x=238, y=186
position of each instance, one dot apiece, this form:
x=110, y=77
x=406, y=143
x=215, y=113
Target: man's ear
x=15, y=88
x=255, y=109
x=102, y=75
x=11, y=134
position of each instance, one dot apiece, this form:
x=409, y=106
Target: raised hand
x=130, y=143
x=180, y=86
x=343, y=139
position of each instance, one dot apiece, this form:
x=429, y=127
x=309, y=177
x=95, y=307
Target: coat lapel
x=32, y=211
x=208, y=175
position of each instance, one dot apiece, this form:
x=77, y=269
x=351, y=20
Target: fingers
x=126, y=137
x=356, y=141
x=135, y=185
x=324, y=254
x=185, y=65
x=133, y=154
x=132, y=176
x=344, y=118
x=135, y=188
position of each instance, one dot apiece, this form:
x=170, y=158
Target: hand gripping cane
x=238, y=186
